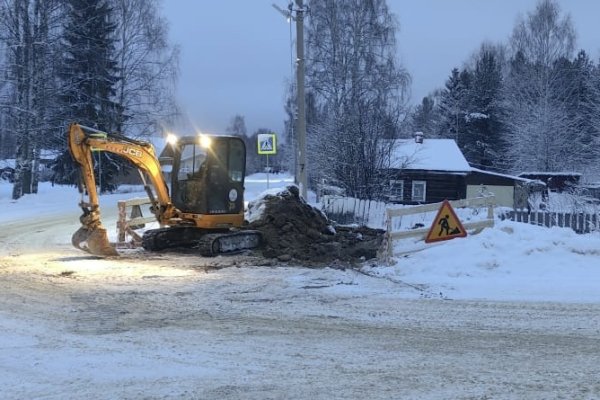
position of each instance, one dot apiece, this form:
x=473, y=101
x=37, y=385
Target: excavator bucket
x=94, y=241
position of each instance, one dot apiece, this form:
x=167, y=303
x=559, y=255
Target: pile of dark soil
x=292, y=229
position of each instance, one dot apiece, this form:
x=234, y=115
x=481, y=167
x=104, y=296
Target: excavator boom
x=92, y=236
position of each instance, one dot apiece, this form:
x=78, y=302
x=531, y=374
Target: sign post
x=267, y=144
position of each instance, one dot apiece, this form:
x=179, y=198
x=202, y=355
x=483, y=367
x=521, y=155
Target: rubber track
x=208, y=242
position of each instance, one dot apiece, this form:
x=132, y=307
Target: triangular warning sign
x=446, y=225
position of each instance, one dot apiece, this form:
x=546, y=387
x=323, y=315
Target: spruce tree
x=89, y=76
x=425, y=118
x=582, y=107
x=453, y=106
x=483, y=144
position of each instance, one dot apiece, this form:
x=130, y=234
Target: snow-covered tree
x=483, y=142
x=426, y=117
x=104, y=63
x=89, y=77
x=147, y=65
x=453, y=105
x=535, y=93
x=583, y=108
x=28, y=33
x=359, y=90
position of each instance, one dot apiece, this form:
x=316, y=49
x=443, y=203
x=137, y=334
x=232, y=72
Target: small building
x=425, y=171
x=508, y=190
x=555, y=181
x=432, y=170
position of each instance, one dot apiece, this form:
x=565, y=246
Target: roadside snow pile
x=292, y=229
x=511, y=262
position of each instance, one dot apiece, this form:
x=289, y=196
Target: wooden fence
x=421, y=232
x=349, y=210
x=130, y=219
x=579, y=222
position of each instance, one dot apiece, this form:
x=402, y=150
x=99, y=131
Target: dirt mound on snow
x=292, y=229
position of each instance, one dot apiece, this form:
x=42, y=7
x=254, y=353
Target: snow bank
x=512, y=261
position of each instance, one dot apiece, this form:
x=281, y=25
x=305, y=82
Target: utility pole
x=300, y=167
x=301, y=117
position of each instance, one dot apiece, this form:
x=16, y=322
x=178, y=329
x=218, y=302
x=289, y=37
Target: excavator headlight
x=205, y=141
x=172, y=139
x=233, y=195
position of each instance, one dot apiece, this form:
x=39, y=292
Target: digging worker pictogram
x=446, y=225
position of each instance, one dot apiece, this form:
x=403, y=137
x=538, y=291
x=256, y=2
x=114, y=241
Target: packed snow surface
x=510, y=313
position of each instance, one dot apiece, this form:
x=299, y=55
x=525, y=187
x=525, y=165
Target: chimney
x=419, y=137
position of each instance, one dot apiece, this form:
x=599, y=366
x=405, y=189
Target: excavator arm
x=92, y=236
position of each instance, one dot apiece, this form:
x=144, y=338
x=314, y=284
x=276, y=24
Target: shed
x=508, y=190
x=554, y=181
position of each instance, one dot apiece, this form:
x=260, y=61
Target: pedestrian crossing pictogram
x=266, y=143
x=446, y=225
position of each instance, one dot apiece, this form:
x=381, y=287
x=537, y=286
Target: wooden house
x=425, y=171
x=432, y=170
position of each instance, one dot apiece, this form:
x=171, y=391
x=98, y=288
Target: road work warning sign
x=266, y=143
x=446, y=225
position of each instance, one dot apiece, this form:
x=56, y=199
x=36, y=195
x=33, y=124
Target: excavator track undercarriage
x=208, y=243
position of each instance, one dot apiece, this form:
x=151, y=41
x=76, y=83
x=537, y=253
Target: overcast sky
x=235, y=54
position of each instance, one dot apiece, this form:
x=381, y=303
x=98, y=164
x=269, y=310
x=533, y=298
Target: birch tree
x=148, y=66
x=29, y=34
x=359, y=91
x=535, y=94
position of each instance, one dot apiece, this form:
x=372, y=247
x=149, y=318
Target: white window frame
x=396, y=184
x=417, y=183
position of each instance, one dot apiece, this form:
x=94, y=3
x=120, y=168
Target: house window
x=419, y=189
x=396, y=190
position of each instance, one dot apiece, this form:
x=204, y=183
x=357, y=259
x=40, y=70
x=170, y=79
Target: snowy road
x=178, y=326
x=173, y=326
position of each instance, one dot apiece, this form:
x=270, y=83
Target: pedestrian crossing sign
x=446, y=225
x=267, y=143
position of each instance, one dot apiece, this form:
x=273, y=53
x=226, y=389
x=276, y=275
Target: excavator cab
x=208, y=175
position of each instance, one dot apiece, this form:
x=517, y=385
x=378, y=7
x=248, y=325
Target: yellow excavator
x=203, y=208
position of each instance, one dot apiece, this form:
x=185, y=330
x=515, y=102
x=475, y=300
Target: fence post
x=388, y=234
x=122, y=221
x=490, y=213
x=560, y=219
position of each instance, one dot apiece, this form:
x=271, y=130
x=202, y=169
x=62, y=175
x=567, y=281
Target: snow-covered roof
x=46, y=154
x=432, y=155
x=516, y=178
x=541, y=173
x=10, y=162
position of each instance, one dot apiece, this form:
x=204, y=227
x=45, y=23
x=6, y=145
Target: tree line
x=530, y=104
x=106, y=64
